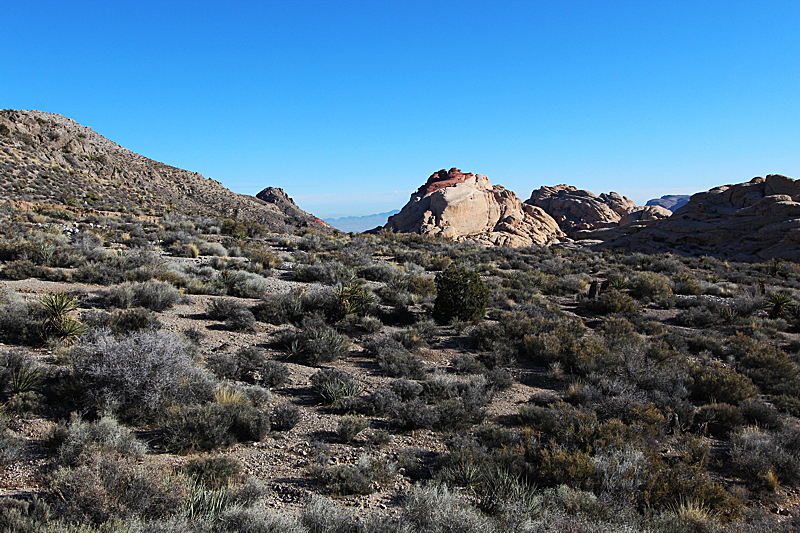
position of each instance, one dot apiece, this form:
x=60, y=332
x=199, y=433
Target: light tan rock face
x=750, y=221
x=645, y=212
x=575, y=209
x=466, y=207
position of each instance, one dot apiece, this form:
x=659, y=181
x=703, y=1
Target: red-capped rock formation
x=466, y=207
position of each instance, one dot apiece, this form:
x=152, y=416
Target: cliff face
x=49, y=158
x=467, y=207
x=750, y=221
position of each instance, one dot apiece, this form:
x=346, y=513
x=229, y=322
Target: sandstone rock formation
x=670, y=201
x=578, y=210
x=466, y=207
x=49, y=158
x=751, y=221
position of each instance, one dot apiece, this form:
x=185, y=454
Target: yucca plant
x=57, y=322
x=779, y=304
x=24, y=378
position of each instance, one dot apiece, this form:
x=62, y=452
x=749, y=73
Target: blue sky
x=350, y=106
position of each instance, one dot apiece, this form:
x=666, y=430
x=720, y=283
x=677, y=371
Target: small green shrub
x=459, y=294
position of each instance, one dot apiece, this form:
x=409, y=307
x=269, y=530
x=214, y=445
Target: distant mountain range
x=362, y=223
x=670, y=201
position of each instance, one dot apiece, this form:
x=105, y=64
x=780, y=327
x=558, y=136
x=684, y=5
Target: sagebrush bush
x=350, y=426
x=214, y=425
x=139, y=375
x=152, y=294
x=81, y=440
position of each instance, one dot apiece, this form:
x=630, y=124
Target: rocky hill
x=750, y=221
x=49, y=158
x=467, y=207
x=577, y=210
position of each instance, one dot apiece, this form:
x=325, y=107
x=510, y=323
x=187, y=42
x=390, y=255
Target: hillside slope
x=45, y=157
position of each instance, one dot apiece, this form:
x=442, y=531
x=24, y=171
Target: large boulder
x=750, y=221
x=467, y=207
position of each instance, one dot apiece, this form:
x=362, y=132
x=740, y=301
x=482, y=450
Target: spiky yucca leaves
x=57, y=322
x=779, y=304
x=352, y=297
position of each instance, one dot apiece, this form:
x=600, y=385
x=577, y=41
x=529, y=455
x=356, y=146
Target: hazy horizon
x=350, y=106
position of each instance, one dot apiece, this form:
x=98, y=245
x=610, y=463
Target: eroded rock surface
x=467, y=207
x=750, y=221
x=576, y=210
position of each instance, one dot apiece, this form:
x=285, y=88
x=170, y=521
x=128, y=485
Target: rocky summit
x=670, y=201
x=750, y=221
x=577, y=210
x=467, y=207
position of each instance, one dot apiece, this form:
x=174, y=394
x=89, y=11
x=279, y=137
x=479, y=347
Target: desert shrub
x=380, y=272
x=81, y=440
x=435, y=509
x=770, y=368
x=18, y=320
x=350, y=426
x=498, y=378
x=414, y=414
x=466, y=364
x=236, y=315
x=213, y=425
x=718, y=419
x=279, y=308
x=459, y=294
x=23, y=269
x=698, y=317
x=612, y=301
x=107, y=487
x=244, y=284
x=332, y=385
x=10, y=445
x=344, y=479
x=213, y=472
x=317, y=342
x=136, y=319
x=650, y=285
x=765, y=457
x=285, y=416
x=273, y=374
x=714, y=381
x=760, y=414
x=152, y=294
x=138, y=375
x=393, y=358
x=330, y=273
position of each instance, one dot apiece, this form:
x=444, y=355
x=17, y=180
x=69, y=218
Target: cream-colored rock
x=644, y=212
x=750, y=221
x=576, y=210
x=467, y=207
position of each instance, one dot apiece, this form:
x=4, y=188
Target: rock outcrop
x=578, y=210
x=48, y=158
x=752, y=221
x=467, y=207
x=670, y=201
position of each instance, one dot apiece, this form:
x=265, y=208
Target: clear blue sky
x=350, y=106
